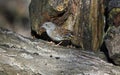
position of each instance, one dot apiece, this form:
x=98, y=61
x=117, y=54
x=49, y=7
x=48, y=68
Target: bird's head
x=49, y=26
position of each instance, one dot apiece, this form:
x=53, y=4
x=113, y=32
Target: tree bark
x=84, y=17
x=113, y=33
x=25, y=56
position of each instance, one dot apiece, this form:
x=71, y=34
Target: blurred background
x=14, y=15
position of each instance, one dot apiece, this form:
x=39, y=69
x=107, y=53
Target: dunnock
x=57, y=33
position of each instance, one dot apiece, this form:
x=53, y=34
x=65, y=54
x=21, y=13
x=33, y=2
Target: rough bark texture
x=83, y=17
x=113, y=33
x=24, y=56
x=113, y=44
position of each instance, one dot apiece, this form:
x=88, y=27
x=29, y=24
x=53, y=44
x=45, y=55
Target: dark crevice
x=105, y=51
x=103, y=47
x=61, y=14
x=43, y=36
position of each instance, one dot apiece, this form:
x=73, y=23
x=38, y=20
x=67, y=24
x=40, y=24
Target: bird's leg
x=58, y=43
x=51, y=42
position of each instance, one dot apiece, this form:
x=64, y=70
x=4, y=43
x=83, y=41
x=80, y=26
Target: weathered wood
x=90, y=24
x=113, y=44
x=84, y=17
x=24, y=56
x=113, y=32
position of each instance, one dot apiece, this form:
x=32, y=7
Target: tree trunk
x=84, y=17
x=113, y=33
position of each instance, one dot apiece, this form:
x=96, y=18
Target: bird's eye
x=47, y=25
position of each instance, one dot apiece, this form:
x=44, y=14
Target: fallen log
x=26, y=56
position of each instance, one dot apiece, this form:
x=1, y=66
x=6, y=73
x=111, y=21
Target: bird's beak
x=42, y=27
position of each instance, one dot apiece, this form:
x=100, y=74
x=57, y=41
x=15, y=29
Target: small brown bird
x=57, y=33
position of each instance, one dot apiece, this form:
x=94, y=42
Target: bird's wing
x=56, y=36
x=64, y=33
